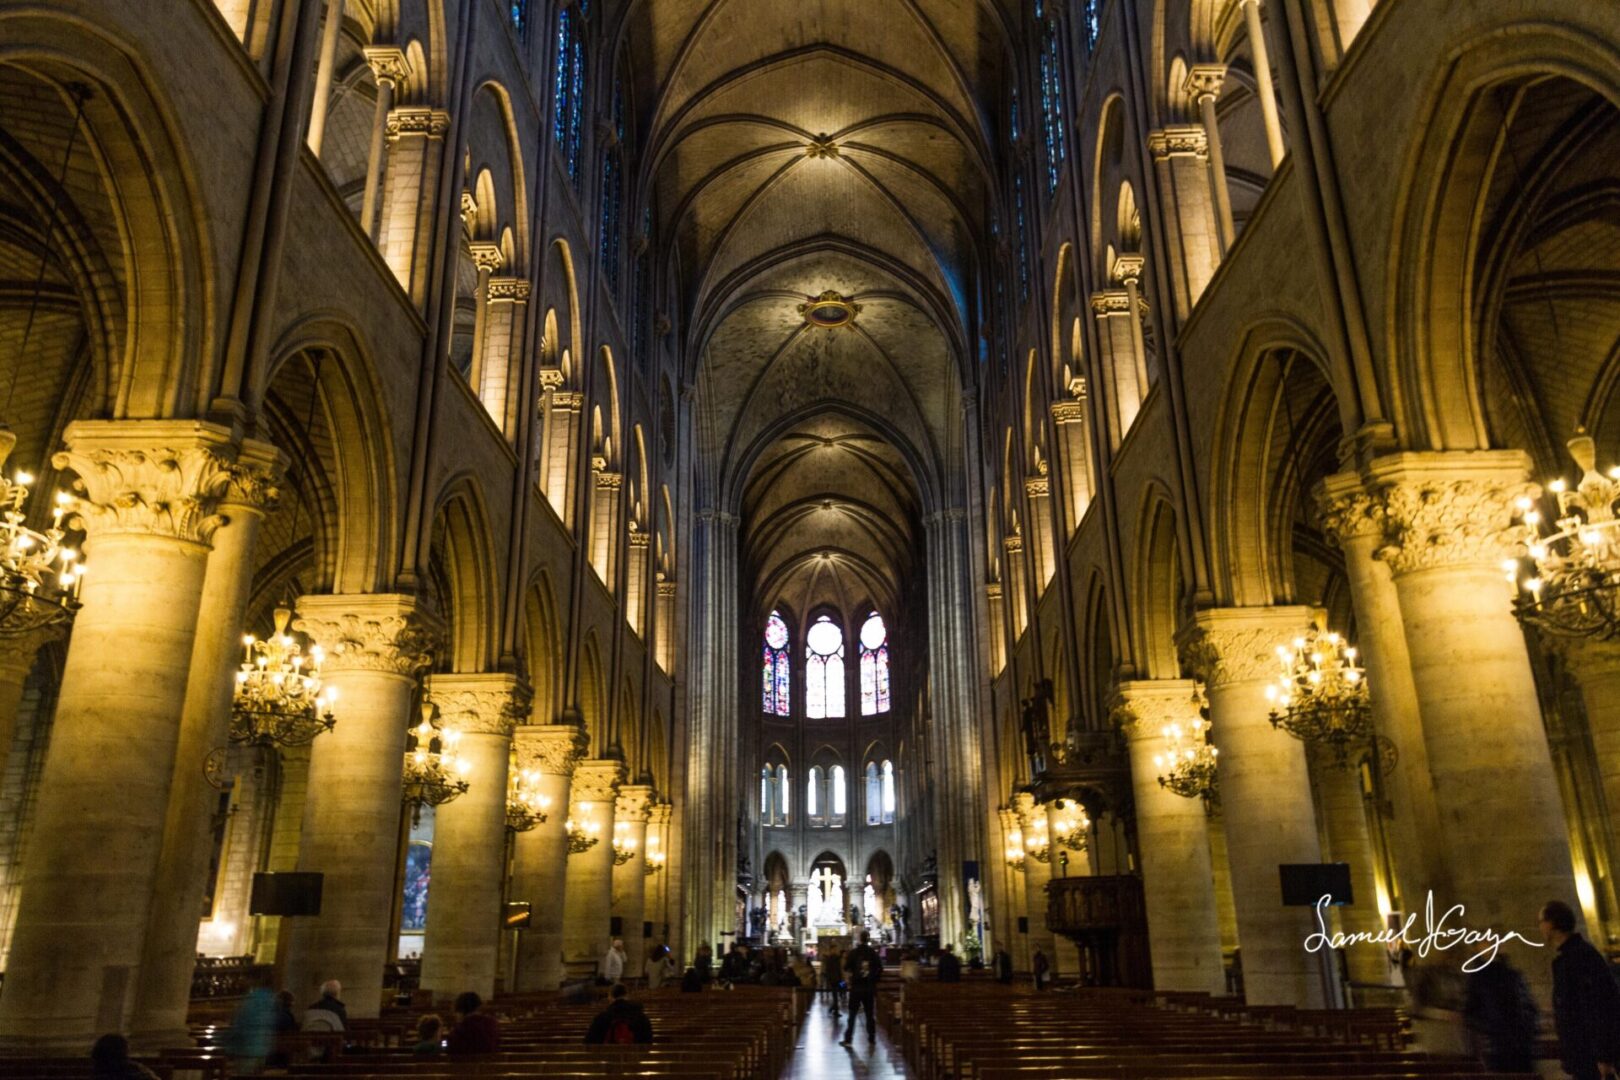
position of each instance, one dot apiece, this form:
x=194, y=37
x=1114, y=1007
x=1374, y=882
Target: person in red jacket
x=475, y=1032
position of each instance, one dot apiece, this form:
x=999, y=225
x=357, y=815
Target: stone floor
x=817, y=1056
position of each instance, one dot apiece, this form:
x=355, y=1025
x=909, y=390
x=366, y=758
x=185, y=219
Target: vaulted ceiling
x=792, y=150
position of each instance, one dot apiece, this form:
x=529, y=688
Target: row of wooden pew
x=982, y=1031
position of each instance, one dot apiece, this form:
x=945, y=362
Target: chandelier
x=1036, y=843
x=1575, y=591
x=1072, y=825
x=526, y=807
x=582, y=836
x=1187, y=766
x=1321, y=695
x=1015, y=854
x=655, y=859
x=434, y=773
x=279, y=698
x=39, y=575
x=624, y=845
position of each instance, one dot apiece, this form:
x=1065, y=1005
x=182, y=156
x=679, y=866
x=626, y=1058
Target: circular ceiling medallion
x=829, y=310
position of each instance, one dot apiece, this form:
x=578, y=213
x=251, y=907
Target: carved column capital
x=1145, y=706
x=1038, y=487
x=554, y=749
x=1025, y=809
x=666, y=589
x=1110, y=302
x=550, y=379
x=486, y=256
x=597, y=780
x=1069, y=412
x=1204, y=80
x=992, y=591
x=418, y=120
x=660, y=814
x=255, y=479
x=1449, y=509
x=1127, y=271
x=1014, y=544
x=1178, y=140
x=388, y=633
x=633, y=803
x=479, y=704
x=388, y=63
x=609, y=481
x=1347, y=509
x=509, y=290
x=153, y=477
x=1235, y=645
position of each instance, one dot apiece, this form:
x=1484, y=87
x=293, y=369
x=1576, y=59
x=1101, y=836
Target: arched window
x=1021, y=224
x=874, y=666
x=520, y=18
x=839, y=799
x=765, y=784
x=1091, y=19
x=568, y=89
x=815, y=809
x=874, y=794
x=775, y=691
x=824, y=670
x=784, y=796
x=1052, y=105
x=775, y=796
x=613, y=193
x=888, y=792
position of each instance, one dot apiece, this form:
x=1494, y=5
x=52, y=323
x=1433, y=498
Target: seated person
x=429, y=1035
x=622, y=1023
x=109, y=1060
x=475, y=1032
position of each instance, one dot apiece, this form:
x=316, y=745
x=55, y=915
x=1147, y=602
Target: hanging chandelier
x=1187, y=766
x=1015, y=855
x=279, y=699
x=582, y=836
x=655, y=859
x=1037, y=845
x=434, y=773
x=526, y=807
x=1321, y=695
x=1575, y=591
x=624, y=845
x=1072, y=825
x=39, y=574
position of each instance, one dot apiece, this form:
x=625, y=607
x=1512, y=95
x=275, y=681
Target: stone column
x=1596, y=667
x=630, y=815
x=1503, y=837
x=998, y=627
x=390, y=68
x=1178, y=883
x=1016, y=576
x=605, y=521
x=405, y=235
x=1069, y=422
x=461, y=945
x=1354, y=520
x=540, y=858
x=486, y=258
x=1014, y=905
x=17, y=654
x=1264, y=89
x=170, y=951
x=331, y=31
x=1344, y=820
x=151, y=489
x=1204, y=86
x=1037, y=875
x=657, y=893
x=1265, y=795
x=375, y=646
x=1038, y=490
x=589, y=897
x=508, y=302
x=1181, y=160
x=665, y=630
x=561, y=439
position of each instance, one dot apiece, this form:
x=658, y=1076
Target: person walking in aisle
x=862, y=970
x=1586, y=998
x=611, y=970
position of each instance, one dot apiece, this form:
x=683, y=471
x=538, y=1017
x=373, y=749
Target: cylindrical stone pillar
x=151, y=489
x=630, y=812
x=461, y=947
x=1037, y=875
x=1344, y=820
x=1354, y=520
x=331, y=31
x=540, y=858
x=588, y=901
x=1266, y=797
x=1504, y=838
x=16, y=664
x=1172, y=835
x=1204, y=85
x=656, y=856
x=374, y=646
x=1264, y=89
x=389, y=67
x=170, y=952
x=1596, y=667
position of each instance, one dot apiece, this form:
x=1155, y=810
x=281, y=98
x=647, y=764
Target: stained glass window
x=1052, y=109
x=613, y=192
x=824, y=670
x=1091, y=18
x=874, y=794
x=840, y=797
x=776, y=683
x=1013, y=129
x=874, y=666
x=520, y=18
x=568, y=90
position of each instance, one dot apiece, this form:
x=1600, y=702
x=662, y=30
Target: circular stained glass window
x=873, y=632
x=824, y=637
x=776, y=633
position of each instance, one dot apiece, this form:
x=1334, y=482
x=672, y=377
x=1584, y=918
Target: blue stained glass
x=775, y=689
x=1022, y=225
x=874, y=666
x=568, y=91
x=1092, y=18
x=1052, y=110
x=520, y=17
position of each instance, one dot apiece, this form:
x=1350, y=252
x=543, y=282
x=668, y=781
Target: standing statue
x=835, y=897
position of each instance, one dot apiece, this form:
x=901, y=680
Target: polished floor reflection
x=817, y=1056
